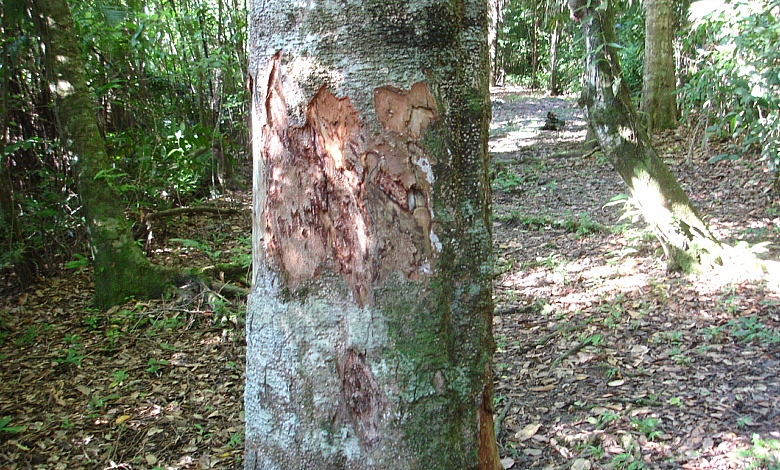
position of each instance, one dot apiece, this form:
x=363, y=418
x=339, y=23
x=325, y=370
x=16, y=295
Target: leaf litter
x=604, y=359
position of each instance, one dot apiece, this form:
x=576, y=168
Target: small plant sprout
x=743, y=421
x=675, y=401
x=117, y=377
x=764, y=453
x=5, y=428
x=72, y=356
x=155, y=365
x=647, y=426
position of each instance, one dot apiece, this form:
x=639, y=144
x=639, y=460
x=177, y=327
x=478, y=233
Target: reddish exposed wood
x=488, y=451
x=338, y=193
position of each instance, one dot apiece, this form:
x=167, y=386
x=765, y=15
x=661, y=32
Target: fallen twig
x=568, y=353
x=188, y=210
x=502, y=417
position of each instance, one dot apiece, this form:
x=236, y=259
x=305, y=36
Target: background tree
x=169, y=141
x=605, y=98
x=659, y=103
x=369, y=323
x=537, y=46
x=121, y=268
x=495, y=26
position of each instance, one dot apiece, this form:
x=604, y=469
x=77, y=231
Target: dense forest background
x=168, y=81
x=169, y=84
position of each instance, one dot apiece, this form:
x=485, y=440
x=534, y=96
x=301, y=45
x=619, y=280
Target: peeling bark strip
x=487, y=451
x=331, y=185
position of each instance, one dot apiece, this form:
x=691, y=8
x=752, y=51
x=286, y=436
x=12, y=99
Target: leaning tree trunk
x=121, y=269
x=659, y=103
x=685, y=237
x=369, y=339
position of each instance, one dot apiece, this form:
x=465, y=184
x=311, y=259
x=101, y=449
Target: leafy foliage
x=733, y=74
x=630, y=33
x=169, y=86
x=525, y=41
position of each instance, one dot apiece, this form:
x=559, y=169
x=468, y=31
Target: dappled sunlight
x=514, y=140
x=603, y=279
x=513, y=135
x=604, y=357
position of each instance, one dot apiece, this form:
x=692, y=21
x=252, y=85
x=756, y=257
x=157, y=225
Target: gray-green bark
x=659, y=103
x=555, y=37
x=369, y=339
x=610, y=112
x=121, y=269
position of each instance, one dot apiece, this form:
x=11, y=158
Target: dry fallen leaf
x=581, y=464
x=508, y=462
x=527, y=432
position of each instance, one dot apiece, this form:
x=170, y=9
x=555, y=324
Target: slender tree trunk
x=608, y=107
x=659, y=103
x=555, y=88
x=535, y=53
x=121, y=269
x=496, y=15
x=369, y=341
x=20, y=257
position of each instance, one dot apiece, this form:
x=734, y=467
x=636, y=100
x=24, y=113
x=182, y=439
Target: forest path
x=606, y=360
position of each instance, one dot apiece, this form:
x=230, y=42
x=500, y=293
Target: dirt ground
x=604, y=359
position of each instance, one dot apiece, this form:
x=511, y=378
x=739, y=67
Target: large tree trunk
x=610, y=112
x=121, y=269
x=659, y=103
x=369, y=342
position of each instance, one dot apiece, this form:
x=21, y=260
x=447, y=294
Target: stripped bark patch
x=406, y=112
x=343, y=197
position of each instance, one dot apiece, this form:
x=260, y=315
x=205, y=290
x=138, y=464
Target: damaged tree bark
x=686, y=239
x=369, y=323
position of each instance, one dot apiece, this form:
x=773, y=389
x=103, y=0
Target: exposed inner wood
x=343, y=197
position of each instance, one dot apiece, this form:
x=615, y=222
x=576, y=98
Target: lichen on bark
x=368, y=330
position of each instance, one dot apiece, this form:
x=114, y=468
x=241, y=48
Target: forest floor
x=604, y=358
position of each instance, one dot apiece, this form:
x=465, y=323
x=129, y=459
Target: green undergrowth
x=581, y=224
